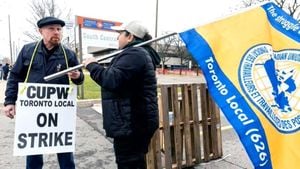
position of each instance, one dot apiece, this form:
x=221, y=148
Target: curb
x=87, y=103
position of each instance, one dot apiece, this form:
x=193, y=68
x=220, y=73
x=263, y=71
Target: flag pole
x=63, y=72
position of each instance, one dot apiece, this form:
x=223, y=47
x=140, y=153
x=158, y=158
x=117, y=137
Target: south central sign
x=99, y=24
x=97, y=34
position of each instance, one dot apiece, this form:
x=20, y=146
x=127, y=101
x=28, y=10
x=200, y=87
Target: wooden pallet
x=190, y=129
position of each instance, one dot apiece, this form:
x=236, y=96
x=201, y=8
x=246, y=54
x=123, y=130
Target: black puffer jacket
x=129, y=94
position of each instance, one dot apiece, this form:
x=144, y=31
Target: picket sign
x=45, y=119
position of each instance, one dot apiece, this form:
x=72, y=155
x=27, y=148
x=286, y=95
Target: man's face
x=51, y=34
x=124, y=39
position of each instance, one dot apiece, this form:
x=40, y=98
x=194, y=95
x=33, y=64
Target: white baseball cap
x=133, y=27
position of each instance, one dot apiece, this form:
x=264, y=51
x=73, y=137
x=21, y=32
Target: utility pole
x=10, y=46
x=156, y=25
x=156, y=18
x=80, y=57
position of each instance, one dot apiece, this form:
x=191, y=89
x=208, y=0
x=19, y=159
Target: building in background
x=94, y=35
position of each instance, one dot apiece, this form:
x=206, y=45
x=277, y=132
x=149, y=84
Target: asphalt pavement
x=95, y=151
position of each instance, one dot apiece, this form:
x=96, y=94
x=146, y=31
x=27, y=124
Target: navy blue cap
x=50, y=21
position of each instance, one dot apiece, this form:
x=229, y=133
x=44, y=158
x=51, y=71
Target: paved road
x=94, y=150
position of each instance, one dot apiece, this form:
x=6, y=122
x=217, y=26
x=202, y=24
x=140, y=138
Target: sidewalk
x=95, y=151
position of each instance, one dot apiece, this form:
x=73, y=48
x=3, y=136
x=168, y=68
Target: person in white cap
x=35, y=61
x=129, y=95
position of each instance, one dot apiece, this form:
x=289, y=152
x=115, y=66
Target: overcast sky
x=173, y=15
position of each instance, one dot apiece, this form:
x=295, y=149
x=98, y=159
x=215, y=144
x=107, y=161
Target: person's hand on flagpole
x=89, y=60
x=74, y=74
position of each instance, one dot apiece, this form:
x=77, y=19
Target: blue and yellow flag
x=251, y=62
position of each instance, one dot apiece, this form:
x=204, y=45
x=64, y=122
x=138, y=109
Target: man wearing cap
x=129, y=95
x=35, y=61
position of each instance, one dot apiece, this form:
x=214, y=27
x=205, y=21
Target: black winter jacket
x=129, y=94
x=40, y=68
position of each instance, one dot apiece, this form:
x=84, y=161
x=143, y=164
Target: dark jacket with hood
x=43, y=64
x=129, y=93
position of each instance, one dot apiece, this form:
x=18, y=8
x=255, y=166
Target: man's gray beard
x=54, y=42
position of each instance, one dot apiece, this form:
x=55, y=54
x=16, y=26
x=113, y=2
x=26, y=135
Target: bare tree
x=40, y=9
x=292, y=7
x=247, y=3
x=173, y=47
x=181, y=52
x=164, y=49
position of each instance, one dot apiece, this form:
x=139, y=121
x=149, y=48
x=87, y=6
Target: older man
x=35, y=61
